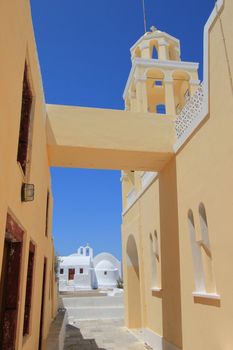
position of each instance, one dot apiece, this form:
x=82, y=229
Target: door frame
x=42, y=309
x=14, y=234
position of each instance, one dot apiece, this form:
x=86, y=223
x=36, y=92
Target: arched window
x=154, y=53
x=173, y=54
x=161, y=109
x=156, y=245
x=196, y=255
x=154, y=252
x=81, y=251
x=133, y=291
x=156, y=90
x=201, y=252
x=181, y=88
x=87, y=251
x=206, y=251
x=137, y=52
x=204, y=226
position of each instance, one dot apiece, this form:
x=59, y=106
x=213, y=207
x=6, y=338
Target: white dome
x=105, y=265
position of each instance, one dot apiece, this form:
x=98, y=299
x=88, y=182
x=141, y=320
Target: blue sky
x=83, y=47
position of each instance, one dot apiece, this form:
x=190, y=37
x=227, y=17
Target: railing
x=146, y=178
x=131, y=196
x=190, y=112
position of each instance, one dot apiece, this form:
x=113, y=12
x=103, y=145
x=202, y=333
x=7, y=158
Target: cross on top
x=153, y=28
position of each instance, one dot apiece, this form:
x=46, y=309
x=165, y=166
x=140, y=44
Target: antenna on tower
x=144, y=14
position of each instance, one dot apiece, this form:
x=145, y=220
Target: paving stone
x=100, y=335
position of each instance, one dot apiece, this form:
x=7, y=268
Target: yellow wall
x=201, y=172
x=140, y=221
x=156, y=210
x=15, y=19
x=108, y=139
x=204, y=174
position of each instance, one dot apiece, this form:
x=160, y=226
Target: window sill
x=206, y=295
x=156, y=289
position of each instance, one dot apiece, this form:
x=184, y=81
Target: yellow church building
x=174, y=146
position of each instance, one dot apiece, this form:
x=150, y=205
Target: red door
x=10, y=294
x=71, y=274
x=10, y=284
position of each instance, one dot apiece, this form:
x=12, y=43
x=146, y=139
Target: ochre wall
x=156, y=210
x=108, y=139
x=17, y=45
x=201, y=172
x=133, y=292
x=204, y=174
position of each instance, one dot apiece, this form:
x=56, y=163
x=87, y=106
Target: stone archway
x=133, y=284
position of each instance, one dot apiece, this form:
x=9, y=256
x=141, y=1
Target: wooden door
x=71, y=274
x=10, y=294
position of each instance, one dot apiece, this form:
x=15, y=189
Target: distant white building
x=82, y=271
x=107, y=270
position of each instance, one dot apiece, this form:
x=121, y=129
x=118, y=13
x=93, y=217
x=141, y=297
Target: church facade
x=83, y=271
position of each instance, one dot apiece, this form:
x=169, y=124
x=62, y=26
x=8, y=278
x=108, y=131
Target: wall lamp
x=27, y=192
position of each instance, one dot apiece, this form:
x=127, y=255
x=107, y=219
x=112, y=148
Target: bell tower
x=159, y=82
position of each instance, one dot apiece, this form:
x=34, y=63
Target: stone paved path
x=100, y=335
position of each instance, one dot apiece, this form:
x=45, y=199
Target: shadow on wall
x=75, y=340
x=170, y=256
x=206, y=301
x=133, y=284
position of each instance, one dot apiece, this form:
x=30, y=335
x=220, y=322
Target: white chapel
x=83, y=271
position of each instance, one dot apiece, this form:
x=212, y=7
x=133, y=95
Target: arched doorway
x=133, y=284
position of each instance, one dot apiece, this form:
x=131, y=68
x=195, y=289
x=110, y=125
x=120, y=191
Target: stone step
x=95, y=313
x=93, y=301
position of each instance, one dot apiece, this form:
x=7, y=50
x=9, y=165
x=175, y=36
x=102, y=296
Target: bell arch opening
x=181, y=88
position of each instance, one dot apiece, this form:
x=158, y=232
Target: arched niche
x=133, y=284
x=154, y=251
x=204, y=226
x=137, y=52
x=155, y=89
x=181, y=86
x=173, y=54
x=206, y=251
x=196, y=255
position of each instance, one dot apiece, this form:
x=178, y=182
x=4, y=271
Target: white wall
x=80, y=281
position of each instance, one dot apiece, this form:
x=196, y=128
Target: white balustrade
x=190, y=112
x=131, y=196
x=146, y=177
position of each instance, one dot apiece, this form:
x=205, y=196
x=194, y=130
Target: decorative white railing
x=190, y=112
x=146, y=177
x=131, y=196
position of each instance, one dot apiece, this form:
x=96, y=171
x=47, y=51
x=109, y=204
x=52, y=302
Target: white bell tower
x=159, y=82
